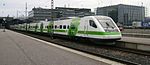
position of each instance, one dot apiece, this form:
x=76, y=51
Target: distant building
x=123, y=14
x=40, y=14
x=7, y=21
x=7, y=18
x=69, y=12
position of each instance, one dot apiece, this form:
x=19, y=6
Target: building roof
x=120, y=5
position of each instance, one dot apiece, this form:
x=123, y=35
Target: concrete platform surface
x=16, y=49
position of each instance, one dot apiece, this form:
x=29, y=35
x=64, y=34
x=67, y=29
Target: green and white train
x=92, y=27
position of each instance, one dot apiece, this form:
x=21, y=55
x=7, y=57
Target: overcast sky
x=10, y=7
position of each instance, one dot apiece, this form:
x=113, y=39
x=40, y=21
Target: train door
x=50, y=28
x=41, y=27
x=91, y=27
x=74, y=27
x=36, y=27
x=85, y=27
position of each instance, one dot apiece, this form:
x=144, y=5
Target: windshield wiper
x=109, y=25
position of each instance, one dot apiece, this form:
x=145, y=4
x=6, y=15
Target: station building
x=40, y=14
x=123, y=14
x=70, y=12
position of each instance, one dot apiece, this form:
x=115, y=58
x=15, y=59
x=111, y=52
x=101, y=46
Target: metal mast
x=52, y=4
x=26, y=14
x=26, y=10
x=52, y=16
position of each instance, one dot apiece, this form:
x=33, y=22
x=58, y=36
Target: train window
x=55, y=26
x=37, y=26
x=68, y=27
x=60, y=26
x=52, y=26
x=92, y=23
x=64, y=27
x=72, y=26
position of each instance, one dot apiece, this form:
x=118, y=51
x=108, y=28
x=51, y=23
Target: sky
x=10, y=7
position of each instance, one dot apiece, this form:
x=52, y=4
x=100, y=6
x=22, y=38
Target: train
x=100, y=28
x=141, y=24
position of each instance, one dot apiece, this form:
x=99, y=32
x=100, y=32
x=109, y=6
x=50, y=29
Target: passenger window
x=64, y=27
x=60, y=26
x=72, y=26
x=68, y=26
x=37, y=26
x=55, y=26
x=92, y=23
x=52, y=26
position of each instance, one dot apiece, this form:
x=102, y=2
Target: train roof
x=99, y=16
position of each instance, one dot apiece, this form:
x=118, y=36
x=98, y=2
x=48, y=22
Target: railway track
x=123, y=55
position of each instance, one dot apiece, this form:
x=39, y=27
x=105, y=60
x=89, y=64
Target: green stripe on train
x=89, y=32
x=60, y=30
x=98, y=33
x=93, y=32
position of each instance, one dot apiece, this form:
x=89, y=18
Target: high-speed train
x=91, y=27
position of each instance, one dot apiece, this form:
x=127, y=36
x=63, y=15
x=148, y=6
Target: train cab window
x=64, y=27
x=92, y=23
x=60, y=26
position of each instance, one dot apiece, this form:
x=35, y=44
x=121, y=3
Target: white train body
x=101, y=31
x=93, y=27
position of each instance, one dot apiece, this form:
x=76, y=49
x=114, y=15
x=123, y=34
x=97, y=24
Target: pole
x=52, y=27
x=17, y=13
x=4, y=24
x=26, y=11
x=26, y=16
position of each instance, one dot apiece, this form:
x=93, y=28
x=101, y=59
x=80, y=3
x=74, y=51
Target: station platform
x=138, y=35
x=134, y=43
x=136, y=40
x=19, y=49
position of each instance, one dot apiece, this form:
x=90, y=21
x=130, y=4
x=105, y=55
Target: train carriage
x=99, y=27
x=92, y=27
